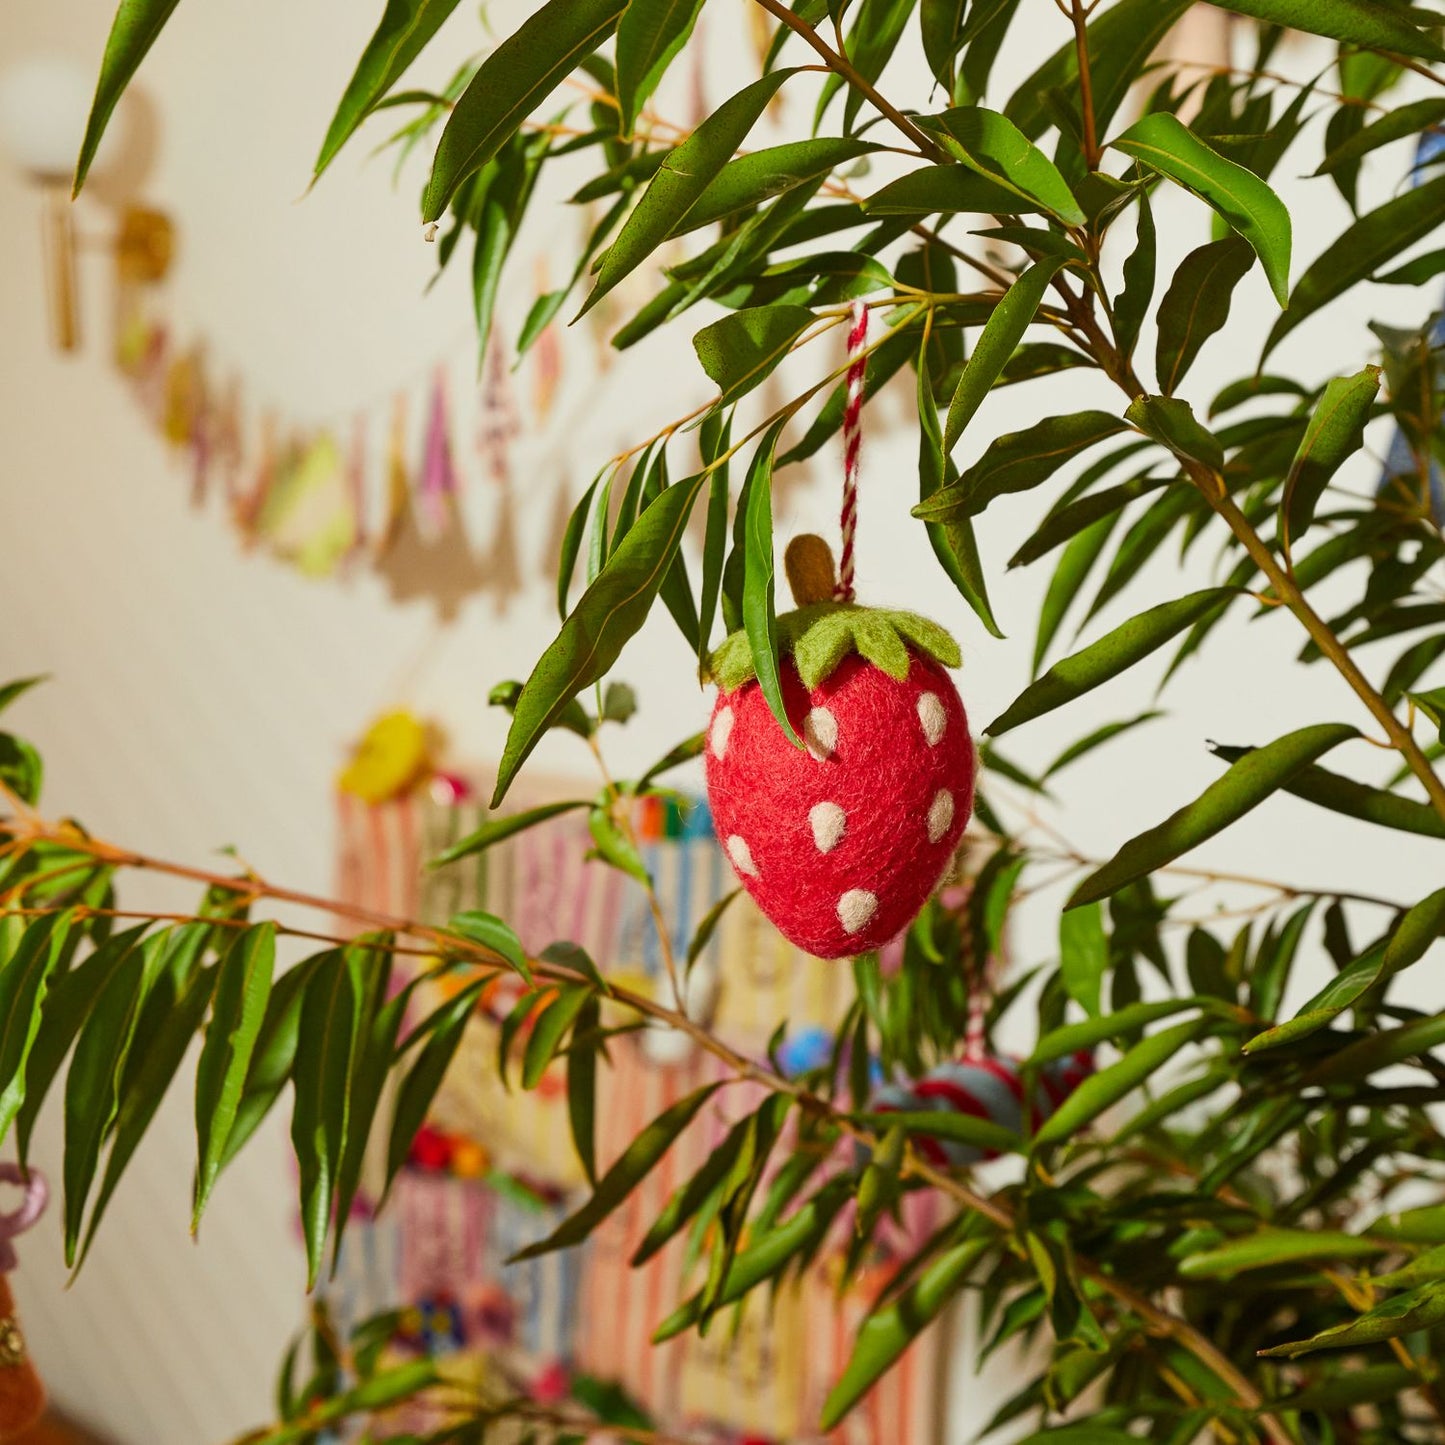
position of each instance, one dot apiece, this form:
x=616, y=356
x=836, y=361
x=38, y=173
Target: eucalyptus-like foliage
x=1236, y=1228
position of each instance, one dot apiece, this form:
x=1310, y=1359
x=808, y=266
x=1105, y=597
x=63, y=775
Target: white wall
x=204, y=697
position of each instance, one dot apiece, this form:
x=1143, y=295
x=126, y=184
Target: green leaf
x=1069, y=576
x=572, y=541
x=998, y=150
x=649, y=37
x=150, y=1067
x=93, y=1080
x=996, y=343
x=742, y=350
x=273, y=1056
x=1404, y=122
x=892, y=1327
x=548, y=1030
x=956, y=1128
x=630, y=1169
x=68, y=1002
x=21, y=768
x=329, y=1018
x=24, y=980
x=606, y=615
x=1069, y=1039
x=1356, y=22
x=1267, y=1248
x=1196, y=305
x=1018, y=461
x=802, y=1232
x=487, y=929
x=494, y=830
x=1120, y=40
x=1112, y=654
x=373, y=1047
x=1407, y=945
x=1131, y=305
x=1360, y=251
x=944, y=190
x=1248, y=783
x=749, y=180
x=134, y=30
x=1084, y=956
x=681, y=179
x=1407, y=1314
x=1356, y=800
x=1172, y=424
x=941, y=25
x=707, y=926
x=443, y=1032
x=406, y=27
x=1095, y=739
x=953, y=543
x=714, y=440
x=582, y=1085
x=759, y=613
x=1336, y=431
x=520, y=73
x=11, y=690
x=243, y=987
x=1103, y=1090
x=1164, y=144
x=690, y=1197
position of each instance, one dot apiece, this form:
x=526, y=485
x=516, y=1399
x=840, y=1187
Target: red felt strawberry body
x=841, y=843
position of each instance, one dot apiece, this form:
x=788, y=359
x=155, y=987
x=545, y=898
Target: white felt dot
x=742, y=856
x=828, y=821
x=940, y=815
x=855, y=908
x=820, y=733
x=932, y=716
x=722, y=727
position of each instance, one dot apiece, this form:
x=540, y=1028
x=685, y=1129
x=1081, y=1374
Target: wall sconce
x=44, y=102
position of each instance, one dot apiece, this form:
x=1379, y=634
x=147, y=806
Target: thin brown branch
x=843, y=68
x=1156, y=1319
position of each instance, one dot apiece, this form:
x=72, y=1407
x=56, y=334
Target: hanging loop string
x=852, y=438
x=18, y=1220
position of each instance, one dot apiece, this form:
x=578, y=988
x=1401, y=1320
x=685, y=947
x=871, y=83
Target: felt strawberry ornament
x=841, y=842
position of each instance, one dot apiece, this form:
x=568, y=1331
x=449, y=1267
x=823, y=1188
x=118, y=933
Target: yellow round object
x=469, y=1160
x=388, y=760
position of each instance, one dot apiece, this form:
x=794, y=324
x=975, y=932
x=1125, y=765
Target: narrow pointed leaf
x=759, y=612
x=1336, y=431
x=511, y=82
x=1165, y=144
x=619, y=1181
x=613, y=608
x=1196, y=305
x=134, y=30
x=1103, y=1090
x=888, y=1331
x=996, y=343
x=681, y=179
x=649, y=36
x=404, y=30
x=1356, y=22
x=242, y=990
x=1112, y=654
x=741, y=351
x=25, y=979
x=1248, y=783
x=996, y=148
x=1360, y=251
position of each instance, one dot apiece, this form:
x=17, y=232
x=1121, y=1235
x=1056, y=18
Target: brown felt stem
x=809, y=565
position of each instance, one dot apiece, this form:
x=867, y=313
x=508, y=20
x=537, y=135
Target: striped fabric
x=441, y=1244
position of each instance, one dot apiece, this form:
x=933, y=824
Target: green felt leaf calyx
x=819, y=636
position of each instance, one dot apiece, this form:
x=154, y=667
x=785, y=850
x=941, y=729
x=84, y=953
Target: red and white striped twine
x=852, y=439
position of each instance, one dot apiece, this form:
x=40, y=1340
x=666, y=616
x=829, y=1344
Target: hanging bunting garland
x=301, y=492
x=841, y=840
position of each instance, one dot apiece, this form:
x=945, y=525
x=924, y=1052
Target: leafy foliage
x=1247, y=1191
